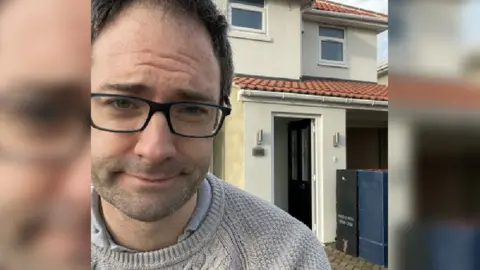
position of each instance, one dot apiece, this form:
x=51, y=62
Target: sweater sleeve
x=286, y=244
x=263, y=236
x=310, y=254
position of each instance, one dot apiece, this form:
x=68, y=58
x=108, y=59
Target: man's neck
x=147, y=236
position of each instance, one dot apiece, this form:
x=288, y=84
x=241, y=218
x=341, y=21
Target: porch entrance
x=294, y=154
x=367, y=139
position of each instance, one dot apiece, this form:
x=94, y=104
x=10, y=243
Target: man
x=44, y=135
x=161, y=77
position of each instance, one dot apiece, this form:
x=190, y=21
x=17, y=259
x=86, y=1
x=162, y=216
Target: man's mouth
x=152, y=178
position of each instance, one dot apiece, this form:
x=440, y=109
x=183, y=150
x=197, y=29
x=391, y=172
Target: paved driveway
x=342, y=261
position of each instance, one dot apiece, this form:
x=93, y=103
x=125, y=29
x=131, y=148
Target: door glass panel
x=294, y=157
x=305, y=163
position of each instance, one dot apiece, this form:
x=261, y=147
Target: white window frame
x=250, y=8
x=339, y=40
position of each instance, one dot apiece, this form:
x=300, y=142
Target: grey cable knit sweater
x=240, y=231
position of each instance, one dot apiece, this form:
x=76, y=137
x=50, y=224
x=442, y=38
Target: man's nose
x=156, y=142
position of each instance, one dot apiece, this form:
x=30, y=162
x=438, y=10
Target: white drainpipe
x=313, y=98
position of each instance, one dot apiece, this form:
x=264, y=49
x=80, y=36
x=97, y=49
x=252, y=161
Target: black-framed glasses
x=127, y=114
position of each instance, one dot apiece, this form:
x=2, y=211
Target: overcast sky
x=470, y=22
x=377, y=6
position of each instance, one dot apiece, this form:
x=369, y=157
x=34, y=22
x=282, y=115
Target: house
x=306, y=87
x=383, y=74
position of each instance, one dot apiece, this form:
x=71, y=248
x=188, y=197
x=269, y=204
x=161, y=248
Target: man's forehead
x=43, y=39
x=141, y=29
x=141, y=45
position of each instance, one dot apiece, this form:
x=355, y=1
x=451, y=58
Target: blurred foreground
x=44, y=134
x=434, y=118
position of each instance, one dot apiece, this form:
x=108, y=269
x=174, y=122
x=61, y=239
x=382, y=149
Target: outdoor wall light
x=336, y=139
x=260, y=137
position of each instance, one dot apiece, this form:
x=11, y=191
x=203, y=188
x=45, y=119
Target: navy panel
x=347, y=227
x=373, y=206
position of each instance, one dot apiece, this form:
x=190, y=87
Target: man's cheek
x=20, y=185
x=108, y=144
x=197, y=150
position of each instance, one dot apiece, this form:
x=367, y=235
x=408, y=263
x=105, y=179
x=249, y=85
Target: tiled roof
x=342, y=8
x=319, y=87
x=435, y=92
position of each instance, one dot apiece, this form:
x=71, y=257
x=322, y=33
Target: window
x=332, y=45
x=248, y=15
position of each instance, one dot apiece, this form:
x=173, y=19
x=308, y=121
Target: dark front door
x=299, y=171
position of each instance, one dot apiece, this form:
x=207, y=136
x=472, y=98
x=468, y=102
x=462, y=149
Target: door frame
x=315, y=158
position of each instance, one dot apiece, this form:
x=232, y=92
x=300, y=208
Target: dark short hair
x=105, y=11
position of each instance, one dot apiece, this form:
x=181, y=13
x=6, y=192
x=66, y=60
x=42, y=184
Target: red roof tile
x=434, y=92
x=342, y=8
x=319, y=87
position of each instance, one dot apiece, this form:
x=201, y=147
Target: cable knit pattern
x=240, y=231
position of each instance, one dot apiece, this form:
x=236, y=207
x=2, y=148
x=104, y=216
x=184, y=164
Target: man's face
x=148, y=175
x=44, y=155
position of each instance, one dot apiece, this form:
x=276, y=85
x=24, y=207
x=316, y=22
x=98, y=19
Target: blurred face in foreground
x=44, y=134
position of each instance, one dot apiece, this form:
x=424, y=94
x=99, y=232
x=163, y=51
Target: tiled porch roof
x=342, y=8
x=319, y=87
x=435, y=92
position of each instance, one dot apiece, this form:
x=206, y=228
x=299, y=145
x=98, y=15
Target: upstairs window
x=248, y=15
x=332, y=45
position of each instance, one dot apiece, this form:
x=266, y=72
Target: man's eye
x=122, y=104
x=194, y=110
x=42, y=113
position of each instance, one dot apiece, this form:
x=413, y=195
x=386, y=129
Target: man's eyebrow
x=129, y=88
x=46, y=89
x=66, y=94
x=190, y=95
x=143, y=89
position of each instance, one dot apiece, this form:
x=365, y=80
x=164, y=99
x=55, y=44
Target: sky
x=377, y=6
x=469, y=21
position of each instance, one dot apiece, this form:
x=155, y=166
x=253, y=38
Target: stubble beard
x=148, y=205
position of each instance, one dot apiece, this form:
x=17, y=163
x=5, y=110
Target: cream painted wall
x=383, y=79
x=361, y=54
x=259, y=170
x=419, y=48
x=276, y=54
x=218, y=166
x=233, y=152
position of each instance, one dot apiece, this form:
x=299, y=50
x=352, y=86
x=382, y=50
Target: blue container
x=453, y=246
x=373, y=252
x=373, y=216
